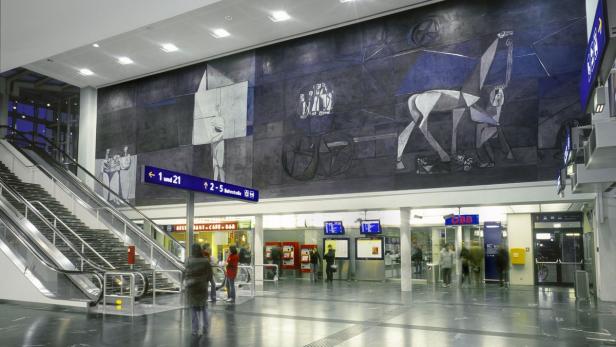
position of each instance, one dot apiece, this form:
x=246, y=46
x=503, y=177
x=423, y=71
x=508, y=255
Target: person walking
x=502, y=265
x=417, y=259
x=476, y=262
x=232, y=266
x=315, y=259
x=207, y=253
x=447, y=256
x=196, y=274
x=330, y=259
x=465, y=259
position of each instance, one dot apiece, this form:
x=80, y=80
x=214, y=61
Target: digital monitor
x=369, y=248
x=334, y=228
x=370, y=227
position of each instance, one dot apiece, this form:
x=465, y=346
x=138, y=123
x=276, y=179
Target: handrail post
x=154, y=287
x=132, y=295
x=83, y=254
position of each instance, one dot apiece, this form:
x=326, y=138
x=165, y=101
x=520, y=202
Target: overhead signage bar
x=463, y=219
x=180, y=180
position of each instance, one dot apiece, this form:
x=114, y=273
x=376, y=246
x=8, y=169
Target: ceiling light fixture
x=125, y=60
x=343, y=1
x=48, y=105
x=86, y=72
x=168, y=47
x=95, y=45
x=279, y=16
x=220, y=33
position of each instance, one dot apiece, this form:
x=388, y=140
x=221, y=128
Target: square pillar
x=406, y=266
x=4, y=105
x=257, y=250
x=86, y=155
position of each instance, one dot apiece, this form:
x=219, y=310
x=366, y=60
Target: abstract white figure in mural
x=219, y=114
x=457, y=101
x=317, y=101
x=117, y=173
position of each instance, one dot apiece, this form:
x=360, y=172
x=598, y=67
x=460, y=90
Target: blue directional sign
x=370, y=227
x=594, y=54
x=180, y=180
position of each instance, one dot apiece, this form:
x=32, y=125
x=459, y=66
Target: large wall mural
x=451, y=94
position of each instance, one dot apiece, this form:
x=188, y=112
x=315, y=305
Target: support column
x=458, y=247
x=4, y=105
x=605, y=246
x=87, y=132
x=406, y=266
x=190, y=223
x=257, y=250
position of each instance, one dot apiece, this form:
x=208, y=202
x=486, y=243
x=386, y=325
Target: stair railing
x=29, y=207
x=84, y=244
x=127, y=223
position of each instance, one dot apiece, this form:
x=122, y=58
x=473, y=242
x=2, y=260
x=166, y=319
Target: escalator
x=32, y=243
x=82, y=214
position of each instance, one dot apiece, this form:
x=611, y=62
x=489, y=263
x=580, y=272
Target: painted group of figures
x=318, y=101
x=116, y=176
x=485, y=114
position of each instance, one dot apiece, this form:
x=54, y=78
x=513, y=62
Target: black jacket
x=196, y=275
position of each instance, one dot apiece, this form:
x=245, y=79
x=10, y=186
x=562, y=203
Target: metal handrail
x=52, y=267
x=83, y=242
x=269, y=265
x=141, y=234
x=154, y=290
x=28, y=205
x=88, y=173
x=131, y=295
x=126, y=221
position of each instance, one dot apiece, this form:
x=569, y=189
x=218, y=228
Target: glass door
x=558, y=253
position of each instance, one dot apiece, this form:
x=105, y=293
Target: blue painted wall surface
x=371, y=70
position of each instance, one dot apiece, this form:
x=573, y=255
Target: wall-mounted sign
x=594, y=54
x=370, y=227
x=222, y=226
x=333, y=228
x=463, y=219
x=179, y=180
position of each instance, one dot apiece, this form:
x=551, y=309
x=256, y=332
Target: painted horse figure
x=421, y=105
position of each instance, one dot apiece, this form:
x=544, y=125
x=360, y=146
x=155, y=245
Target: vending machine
x=290, y=255
x=305, y=251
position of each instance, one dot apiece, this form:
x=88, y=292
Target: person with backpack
x=330, y=259
x=196, y=275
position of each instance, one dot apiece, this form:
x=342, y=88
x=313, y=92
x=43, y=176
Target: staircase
x=102, y=241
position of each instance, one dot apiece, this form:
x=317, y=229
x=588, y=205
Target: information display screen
x=369, y=248
x=340, y=247
x=370, y=227
x=334, y=228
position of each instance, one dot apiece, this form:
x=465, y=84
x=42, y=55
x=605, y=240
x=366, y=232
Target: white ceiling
x=249, y=27
x=31, y=30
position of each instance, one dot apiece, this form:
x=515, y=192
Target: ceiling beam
x=41, y=82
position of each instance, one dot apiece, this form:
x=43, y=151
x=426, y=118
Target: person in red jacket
x=232, y=264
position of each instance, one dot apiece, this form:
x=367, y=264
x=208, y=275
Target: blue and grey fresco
x=453, y=94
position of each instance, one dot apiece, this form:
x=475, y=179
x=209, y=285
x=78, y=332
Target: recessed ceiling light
x=23, y=117
x=125, y=60
x=343, y=1
x=279, y=16
x=168, y=47
x=86, y=72
x=220, y=33
x=14, y=107
x=95, y=45
x=48, y=105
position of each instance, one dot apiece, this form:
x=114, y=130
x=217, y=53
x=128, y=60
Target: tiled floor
x=343, y=314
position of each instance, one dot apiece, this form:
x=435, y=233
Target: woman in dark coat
x=198, y=271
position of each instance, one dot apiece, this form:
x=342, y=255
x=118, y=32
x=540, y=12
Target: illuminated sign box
x=600, y=51
x=223, y=226
x=370, y=227
x=463, y=219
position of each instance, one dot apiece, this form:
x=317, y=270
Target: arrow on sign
x=151, y=174
x=205, y=185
